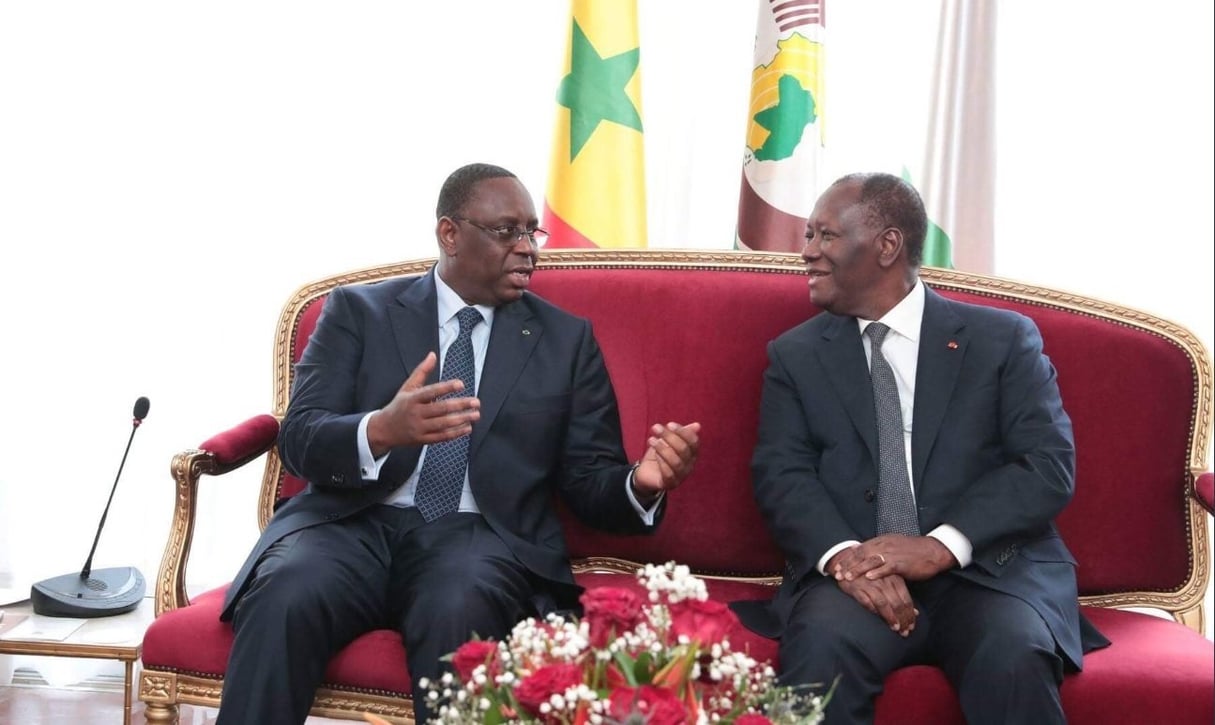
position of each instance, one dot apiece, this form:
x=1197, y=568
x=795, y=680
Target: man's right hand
x=415, y=417
x=887, y=597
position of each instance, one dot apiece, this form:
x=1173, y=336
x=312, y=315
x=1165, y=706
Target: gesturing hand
x=668, y=459
x=415, y=416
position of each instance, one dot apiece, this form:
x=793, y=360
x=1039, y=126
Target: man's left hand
x=915, y=558
x=668, y=459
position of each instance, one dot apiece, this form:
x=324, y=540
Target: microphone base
x=105, y=593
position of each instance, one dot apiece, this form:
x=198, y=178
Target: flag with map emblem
x=596, y=184
x=784, y=127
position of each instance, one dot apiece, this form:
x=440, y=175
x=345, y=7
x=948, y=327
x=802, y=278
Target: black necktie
x=442, y=478
x=896, y=512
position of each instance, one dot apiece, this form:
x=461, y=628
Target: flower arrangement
x=662, y=660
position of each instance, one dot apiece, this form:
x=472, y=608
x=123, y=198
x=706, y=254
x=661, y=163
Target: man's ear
x=446, y=232
x=891, y=245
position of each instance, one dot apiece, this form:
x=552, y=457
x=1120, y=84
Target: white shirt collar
x=450, y=303
x=906, y=317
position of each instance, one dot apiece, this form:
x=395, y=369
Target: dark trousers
x=315, y=591
x=995, y=650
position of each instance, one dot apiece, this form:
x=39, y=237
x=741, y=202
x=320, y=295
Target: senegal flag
x=596, y=184
x=784, y=127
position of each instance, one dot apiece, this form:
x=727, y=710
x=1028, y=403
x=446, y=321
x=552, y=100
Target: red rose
x=474, y=654
x=752, y=719
x=705, y=622
x=655, y=706
x=536, y=689
x=609, y=612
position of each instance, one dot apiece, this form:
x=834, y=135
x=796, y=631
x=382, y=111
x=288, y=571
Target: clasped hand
x=876, y=573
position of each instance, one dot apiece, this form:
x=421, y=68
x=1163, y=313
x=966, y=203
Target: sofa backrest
x=684, y=335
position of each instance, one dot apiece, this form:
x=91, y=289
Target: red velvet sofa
x=684, y=335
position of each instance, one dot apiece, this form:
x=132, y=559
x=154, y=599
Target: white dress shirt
x=901, y=348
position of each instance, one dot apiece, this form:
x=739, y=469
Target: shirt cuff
x=369, y=466
x=822, y=563
x=956, y=542
x=647, y=515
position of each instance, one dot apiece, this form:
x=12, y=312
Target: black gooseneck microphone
x=100, y=593
x=140, y=412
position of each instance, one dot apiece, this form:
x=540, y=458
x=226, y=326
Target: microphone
x=101, y=593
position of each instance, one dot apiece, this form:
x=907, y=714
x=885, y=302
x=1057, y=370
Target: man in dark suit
x=947, y=555
x=429, y=507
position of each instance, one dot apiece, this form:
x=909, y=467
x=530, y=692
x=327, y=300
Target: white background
x=171, y=172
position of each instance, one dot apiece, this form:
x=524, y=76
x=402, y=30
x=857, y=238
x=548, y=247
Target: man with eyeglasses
x=434, y=418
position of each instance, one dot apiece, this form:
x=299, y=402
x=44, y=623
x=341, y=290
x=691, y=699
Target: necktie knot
x=468, y=317
x=877, y=333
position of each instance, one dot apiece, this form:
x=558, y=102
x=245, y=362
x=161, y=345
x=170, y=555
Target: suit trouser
x=316, y=590
x=994, y=649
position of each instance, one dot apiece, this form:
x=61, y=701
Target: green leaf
x=626, y=667
x=643, y=669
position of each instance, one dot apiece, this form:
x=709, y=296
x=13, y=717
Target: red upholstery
x=237, y=444
x=1155, y=671
x=689, y=344
x=1204, y=491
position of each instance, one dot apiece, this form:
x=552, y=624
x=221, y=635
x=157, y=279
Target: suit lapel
x=942, y=347
x=843, y=358
x=415, y=324
x=511, y=342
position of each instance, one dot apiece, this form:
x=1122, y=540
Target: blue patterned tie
x=896, y=512
x=442, y=478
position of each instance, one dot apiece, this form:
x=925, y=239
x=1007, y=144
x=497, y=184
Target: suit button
x=870, y=495
x=331, y=517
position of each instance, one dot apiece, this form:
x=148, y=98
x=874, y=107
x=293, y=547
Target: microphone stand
x=88, y=563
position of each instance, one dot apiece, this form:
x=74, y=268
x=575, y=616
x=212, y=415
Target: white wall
x=171, y=172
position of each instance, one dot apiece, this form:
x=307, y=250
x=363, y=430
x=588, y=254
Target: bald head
x=891, y=202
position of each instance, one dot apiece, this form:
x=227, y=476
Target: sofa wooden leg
x=156, y=712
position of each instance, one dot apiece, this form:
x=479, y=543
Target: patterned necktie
x=442, y=478
x=896, y=513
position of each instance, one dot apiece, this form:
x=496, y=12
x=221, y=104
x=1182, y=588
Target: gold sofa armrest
x=218, y=455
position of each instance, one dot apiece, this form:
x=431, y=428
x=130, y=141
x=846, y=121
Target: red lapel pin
x=952, y=345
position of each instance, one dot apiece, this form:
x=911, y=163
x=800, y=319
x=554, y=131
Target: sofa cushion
x=1155, y=670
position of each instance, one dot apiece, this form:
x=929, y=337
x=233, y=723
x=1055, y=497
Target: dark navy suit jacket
x=549, y=423
x=992, y=455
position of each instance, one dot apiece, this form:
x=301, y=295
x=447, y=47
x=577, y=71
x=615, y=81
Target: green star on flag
x=594, y=90
x=786, y=120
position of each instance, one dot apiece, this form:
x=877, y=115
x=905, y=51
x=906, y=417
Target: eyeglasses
x=509, y=235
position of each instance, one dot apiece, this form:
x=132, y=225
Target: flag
x=938, y=247
x=960, y=159
x=784, y=126
x=595, y=195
